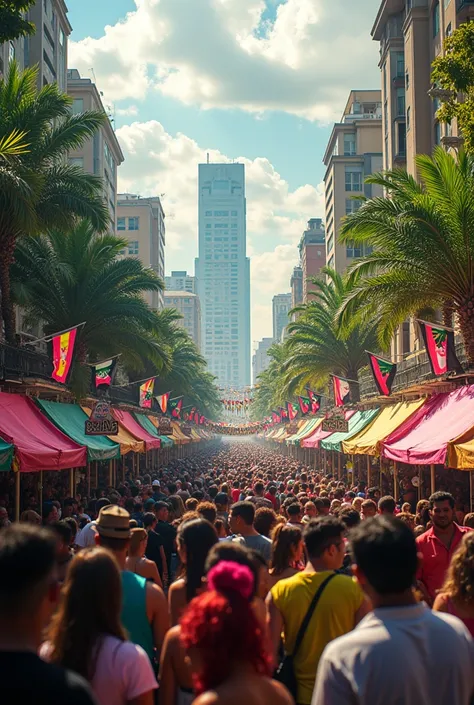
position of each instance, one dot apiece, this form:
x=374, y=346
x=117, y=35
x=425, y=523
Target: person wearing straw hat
x=145, y=609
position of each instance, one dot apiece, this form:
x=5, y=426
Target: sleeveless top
x=134, y=616
x=467, y=621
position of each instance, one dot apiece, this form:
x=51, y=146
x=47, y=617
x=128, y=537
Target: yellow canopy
x=369, y=440
x=178, y=434
x=127, y=442
x=461, y=452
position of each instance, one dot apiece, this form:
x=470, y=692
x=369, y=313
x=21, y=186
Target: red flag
x=146, y=393
x=439, y=343
x=63, y=348
x=175, y=407
x=384, y=373
x=292, y=410
x=162, y=400
x=342, y=391
x=315, y=401
x=305, y=405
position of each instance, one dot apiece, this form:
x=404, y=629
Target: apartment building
x=189, y=306
x=47, y=47
x=281, y=307
x=353, y=152
x=296, y=285
x=101, y=155
x=181, y=281
x=260, y=359
x=142, y=222
x=411, y=34
x=312, y=248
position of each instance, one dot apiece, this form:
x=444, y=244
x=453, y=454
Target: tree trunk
x=466, y=322
x=354, y=386
x=448, y=313
x=8, y=312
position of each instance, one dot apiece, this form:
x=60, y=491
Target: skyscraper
x=223, y=273
x=312, y=249
x=281, y=304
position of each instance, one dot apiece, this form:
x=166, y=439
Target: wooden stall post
x=111, y=479
x=123, y=468
x=71, y=482
x=96, y=474
x=339, y=466
x=41, y=493
x=395, y=481
x=88, y=480
x=471, y=483
x=332, y=462
x=369, y=467
x=17, y=495
x=433, y=478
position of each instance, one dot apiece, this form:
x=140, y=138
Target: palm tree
x=38, y=189
x=318, y=345
x=65, y=278
x=423, y=239
x=271, y=387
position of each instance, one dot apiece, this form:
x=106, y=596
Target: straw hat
x=113, y=522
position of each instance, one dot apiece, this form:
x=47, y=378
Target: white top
x=123, y=671
x=399, y=656
x=86, y=536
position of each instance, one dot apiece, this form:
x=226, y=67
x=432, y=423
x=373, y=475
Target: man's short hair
x=322, y=503
x=149, y=519
x=27, y=560
x=368, y=503
x=294, y=509
x=259, y=487
x=320, y=533
x=244, y=510
x=441, y=497
x=207, y=510
x=349, y=517
x=63, y=530
x=160, y=505
x=384, y=549
x=387, y=505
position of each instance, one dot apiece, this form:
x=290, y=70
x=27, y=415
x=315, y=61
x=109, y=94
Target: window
x=408, y=117
x=11, y=52
x=352, y=205
x=208, y=214
x=133, y=247
x=449, y=30
x=357, y=250
x=120, y=223
x=400, y=58
x=436, y=20
x=353, y=178
x=400, y=102
x=77, y=106
x=349, y=144
x=134, y=223
x=221, y=214
x=76, y=161
x=407, y=80
x=61, y=37
x=402, y=139
x=208, y=226
x=234, y=214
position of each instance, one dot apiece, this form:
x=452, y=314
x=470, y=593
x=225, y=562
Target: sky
x=256, y=81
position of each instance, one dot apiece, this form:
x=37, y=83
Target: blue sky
x=260, y=80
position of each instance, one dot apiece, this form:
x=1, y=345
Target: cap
x=114, y=522
x=155, y=483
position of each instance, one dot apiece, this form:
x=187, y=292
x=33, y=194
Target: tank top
x=134, y=616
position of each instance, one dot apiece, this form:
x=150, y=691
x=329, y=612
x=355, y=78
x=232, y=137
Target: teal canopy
x=6, y=456
x=71, y=420
x=149, y=426
x=356, y=424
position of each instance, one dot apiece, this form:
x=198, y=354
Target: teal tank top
x=134, y=617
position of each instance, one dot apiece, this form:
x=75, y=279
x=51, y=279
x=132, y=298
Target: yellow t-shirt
x=334, y=616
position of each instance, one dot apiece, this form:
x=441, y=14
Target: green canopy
x=71, y=420
x=356, y=424
x=149, y=426
x=304, y=431
x=6, y=456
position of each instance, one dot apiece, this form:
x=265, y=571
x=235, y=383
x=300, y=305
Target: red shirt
x=436, y=557
x=235, y=495
x=272, y=499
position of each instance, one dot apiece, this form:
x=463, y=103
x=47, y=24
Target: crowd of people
x=237, y=575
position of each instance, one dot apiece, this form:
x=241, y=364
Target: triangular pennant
x=104, y=372
x=384, y=373
x=63, y=348
x=162, y=400
x=342, y=391
x=439, y=344
x=146, y=393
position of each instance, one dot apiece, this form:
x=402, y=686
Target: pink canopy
x=126, y=419
x=423, y=438
x=39, y=445
x=319, y=435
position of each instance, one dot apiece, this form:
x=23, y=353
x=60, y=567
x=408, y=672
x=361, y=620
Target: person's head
x=469, y=520
x=50, y=513
x=408, y=518
x=242, y=515
x=387, y=505
x=138, y=541
x=208, y=511
x=323, y=506
x=368, y=509
x=324, y=542
x=223, y=617
x=176, y=505
x=442, y=509
x=90, y=608
x=459, y=581
x=287, y=547
x=335, y=506
x=220, y=528
x=113, y=530
x=69, y=507
x=63, y=533
x=265, y=520
x=406, y=507
x=259, y=489
x=30, y=517
x=357, y=503
x=149, y=521
x=385, y=556
x=191, y=504
x=295, y=512
x=195, y=539
x=272, y=490
x=161, y=510
x=28, y=586
x=237, y=553
x=310, y=510
x=349, y=517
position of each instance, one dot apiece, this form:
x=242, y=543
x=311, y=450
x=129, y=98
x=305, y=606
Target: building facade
x=181, y=281
x=223, y=273
x=142, y=222
x=188, y=305
x=296, y=285
x=101, y=155
x=354, y=151
x=312, y=249
x=260, y=359
x=47, y=47
x=281, y=307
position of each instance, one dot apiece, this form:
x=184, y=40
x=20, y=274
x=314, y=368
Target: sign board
x=164, y=426
x=186, y=428
x=101, y=422
x=292, y=429
x=335, y=422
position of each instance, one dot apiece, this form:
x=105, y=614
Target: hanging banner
x=342, y=391
x=101, y=421
x=292, y=410
x=335, y=422
x=439, y=344
x=164, y=426
x=175, y=406
x=63, y=348
x=305, y=405
x=276, y=418
x=315, y=401
x=384, y=373
x=163, y=400
x=146, y=393
x=104, y=372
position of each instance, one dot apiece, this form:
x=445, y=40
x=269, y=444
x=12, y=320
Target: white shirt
x=399, y=656
x=86, y=536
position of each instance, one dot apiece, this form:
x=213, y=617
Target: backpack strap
x=309, y=614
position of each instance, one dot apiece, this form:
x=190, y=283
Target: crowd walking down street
x=234, y=575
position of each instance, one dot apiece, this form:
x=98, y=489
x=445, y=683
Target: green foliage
x=12, y=24
x=423, y=239
x=269, y=393
x=454, y=72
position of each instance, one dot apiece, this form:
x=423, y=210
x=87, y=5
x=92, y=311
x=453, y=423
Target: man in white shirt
x=86, y=536
x=401, y=652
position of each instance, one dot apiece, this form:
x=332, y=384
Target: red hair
x=222, y=624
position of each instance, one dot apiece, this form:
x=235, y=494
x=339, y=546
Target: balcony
x=19, y=364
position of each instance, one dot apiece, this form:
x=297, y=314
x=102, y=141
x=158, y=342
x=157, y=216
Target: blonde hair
x=459, y=582
x=137, y=536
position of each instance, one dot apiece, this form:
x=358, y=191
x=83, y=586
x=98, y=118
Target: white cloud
x=220, y=53
x=159, y=163
x=131, y=110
